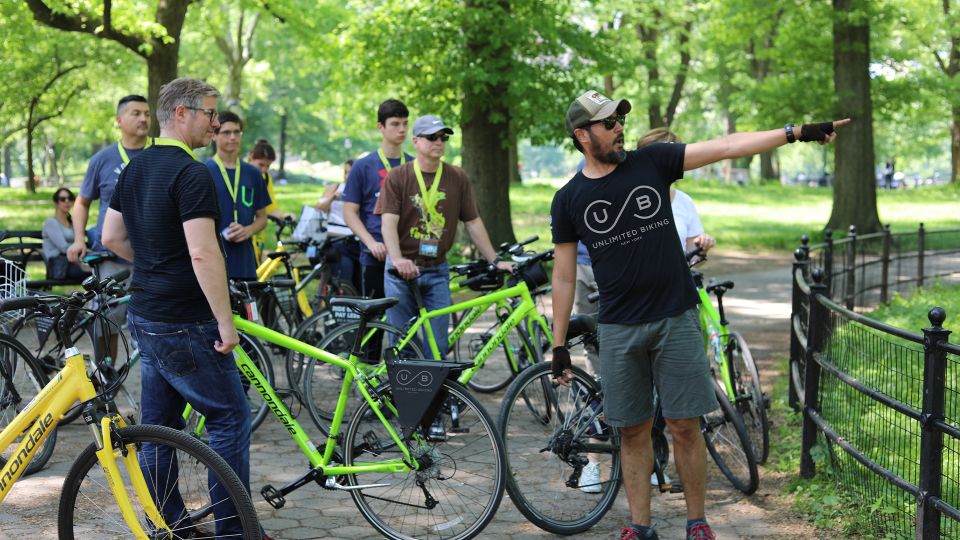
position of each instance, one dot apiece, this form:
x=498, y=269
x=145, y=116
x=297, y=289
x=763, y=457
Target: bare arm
x=80, y=215
x=211, y=273
x=737, y=145
x=564, y=283
x=327, y=198
x=114, y=235
x=391, y=239
x=351, y=215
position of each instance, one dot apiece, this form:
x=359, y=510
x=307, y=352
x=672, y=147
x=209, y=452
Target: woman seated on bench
x=57, y=237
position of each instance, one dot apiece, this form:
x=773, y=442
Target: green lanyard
x=161, y=141
x=386, y=164
x=235, y=188
x=123, y=151
x=429, y=196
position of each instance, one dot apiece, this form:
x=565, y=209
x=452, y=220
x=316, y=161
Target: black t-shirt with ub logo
x=626, y=222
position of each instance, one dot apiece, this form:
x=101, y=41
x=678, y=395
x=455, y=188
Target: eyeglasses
x=434, y=136
x=209, y=112
x=611, y=121
x=230, y=133
x=64, y=198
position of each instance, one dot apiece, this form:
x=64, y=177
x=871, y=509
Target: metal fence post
x=817, y=330
x=850, y=268
x=931, y=439
x=921, y=246
x=802, y=263
x=828, y=258
x=885, y=266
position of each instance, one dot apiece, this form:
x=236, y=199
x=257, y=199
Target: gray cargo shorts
x=668, y=354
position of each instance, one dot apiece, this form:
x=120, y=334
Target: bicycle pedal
x=273, y=497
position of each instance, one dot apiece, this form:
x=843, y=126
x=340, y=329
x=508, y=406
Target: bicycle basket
x=312, y=226
x=13, y=283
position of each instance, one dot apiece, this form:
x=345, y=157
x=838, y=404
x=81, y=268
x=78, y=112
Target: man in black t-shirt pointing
x=619, y=207
x=163, y=217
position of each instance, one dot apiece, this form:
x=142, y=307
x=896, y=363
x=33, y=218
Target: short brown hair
x=263, y=150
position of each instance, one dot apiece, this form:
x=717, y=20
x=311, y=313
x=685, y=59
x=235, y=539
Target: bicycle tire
x=22, y=379
x=729, y=444
x=496, y=372
x=472, y=460
x=749, y=401
x=322, y=381
x=84, y=514
x=258, y=354
x=534, y=395
x=311, y=331
x=539, y=488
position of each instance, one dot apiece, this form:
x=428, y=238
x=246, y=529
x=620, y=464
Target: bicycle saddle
x=367, y=308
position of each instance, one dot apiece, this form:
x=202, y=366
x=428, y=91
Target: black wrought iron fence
x=887, y=400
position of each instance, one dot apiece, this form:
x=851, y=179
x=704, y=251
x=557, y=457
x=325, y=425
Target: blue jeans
x=179, y=365
x=434, y=285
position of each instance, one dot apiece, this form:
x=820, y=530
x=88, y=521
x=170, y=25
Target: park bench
x=25, y=247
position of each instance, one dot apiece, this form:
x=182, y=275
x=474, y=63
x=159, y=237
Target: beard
x=608, y=155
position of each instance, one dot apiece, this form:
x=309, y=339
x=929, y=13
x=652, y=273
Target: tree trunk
x=513, y=154
x=283, y=146
x=768, y=167
x=855, y=188
x=161, y=69
x=483, y=149
x=50, y=150
x=954, y=145
x=8, y=161
x=31, y=176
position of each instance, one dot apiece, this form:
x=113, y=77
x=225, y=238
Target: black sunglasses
x=611, y=121
x=65, y=198
x=434, y=136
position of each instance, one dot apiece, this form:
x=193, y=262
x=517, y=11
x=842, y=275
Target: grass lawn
x=770, y=217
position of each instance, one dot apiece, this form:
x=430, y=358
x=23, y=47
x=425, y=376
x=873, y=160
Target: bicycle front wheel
x=496, y=372
x=460, y=484
x=729, y=445
x=322, y=381
x=750, y=401
x=21, y=379
x=549, y=487
x=198, y=494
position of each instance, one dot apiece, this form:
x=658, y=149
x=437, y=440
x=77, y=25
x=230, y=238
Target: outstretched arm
x=737, y=145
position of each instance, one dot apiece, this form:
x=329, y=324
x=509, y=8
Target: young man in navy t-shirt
x=242, y=197
x=619, y=207
x=363, y=189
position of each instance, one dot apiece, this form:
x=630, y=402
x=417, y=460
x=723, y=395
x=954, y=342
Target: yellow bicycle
x=163, y=482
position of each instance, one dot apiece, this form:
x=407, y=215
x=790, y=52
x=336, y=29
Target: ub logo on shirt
x=597, y=216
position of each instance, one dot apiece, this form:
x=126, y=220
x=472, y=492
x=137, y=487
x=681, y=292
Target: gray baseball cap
x=428, y=125
x=593, y=106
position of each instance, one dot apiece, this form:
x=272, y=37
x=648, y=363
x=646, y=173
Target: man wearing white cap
x=421, y=203
x=619, y=207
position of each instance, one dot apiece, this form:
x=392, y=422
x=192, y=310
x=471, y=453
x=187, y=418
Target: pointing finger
x=838, y=123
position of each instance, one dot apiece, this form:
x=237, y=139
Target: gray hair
x=182, y=91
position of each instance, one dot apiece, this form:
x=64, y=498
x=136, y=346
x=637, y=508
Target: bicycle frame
x=269, y=267
x=713, y=330
x=56, y=398
x=353, y=373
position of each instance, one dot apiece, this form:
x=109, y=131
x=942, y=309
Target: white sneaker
x=653, y=479
x=590, y=478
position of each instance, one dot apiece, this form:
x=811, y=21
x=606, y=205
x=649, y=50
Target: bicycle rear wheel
x=310, y=331
x=750, y=402
x=258, y=354
x=545, y=486
x=496, y=372
x=462, y=470
x=322, y=381
x=195, y=490
x=729, y=445
x=21, y=379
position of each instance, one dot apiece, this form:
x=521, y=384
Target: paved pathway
x=759, y=306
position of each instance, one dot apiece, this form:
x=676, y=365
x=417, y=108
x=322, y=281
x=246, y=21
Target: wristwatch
x=790, y=137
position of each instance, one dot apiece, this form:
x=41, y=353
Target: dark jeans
x=434, y=285
x=373, y=281
x=178, y=366
x=348, y=266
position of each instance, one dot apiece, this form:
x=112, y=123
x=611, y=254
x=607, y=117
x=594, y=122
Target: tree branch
x=86, y=24
x=681, y=77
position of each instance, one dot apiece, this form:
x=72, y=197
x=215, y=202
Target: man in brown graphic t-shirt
x=421, y=203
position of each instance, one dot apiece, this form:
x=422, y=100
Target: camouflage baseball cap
x=593, y=106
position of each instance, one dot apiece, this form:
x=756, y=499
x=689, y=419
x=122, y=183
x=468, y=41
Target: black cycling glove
x=561, y=361
x=815, y=132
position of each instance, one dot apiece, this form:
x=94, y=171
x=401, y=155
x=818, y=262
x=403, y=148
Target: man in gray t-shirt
x=133, y=119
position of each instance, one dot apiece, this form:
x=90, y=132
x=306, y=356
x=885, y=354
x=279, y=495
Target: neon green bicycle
x=406, y=480
x=520, y=318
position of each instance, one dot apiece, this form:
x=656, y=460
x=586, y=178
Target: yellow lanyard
x=160, y=141
x=123, y=151
x=386, y=164
x=429, y=196
x=235, y=188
